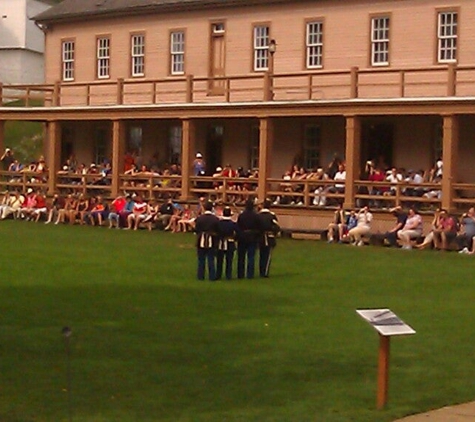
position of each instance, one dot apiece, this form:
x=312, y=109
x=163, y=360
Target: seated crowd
x=447, y=232
x=127, y=212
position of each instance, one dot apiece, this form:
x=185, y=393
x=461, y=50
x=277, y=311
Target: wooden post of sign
x=383, y=371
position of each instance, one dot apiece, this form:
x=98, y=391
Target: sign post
x=387, y=324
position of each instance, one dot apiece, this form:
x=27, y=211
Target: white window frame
x=103, y=57
x=137, y=55
x=312, y=144
x=447, y=30
x=67, y=59
x=177, y=52
x=380, y=40
x=261, y=39
x=314, y=44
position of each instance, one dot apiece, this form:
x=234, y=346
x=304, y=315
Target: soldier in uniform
x=206, y=229
x=227, y=232
x=269, y=227
x=248, y=237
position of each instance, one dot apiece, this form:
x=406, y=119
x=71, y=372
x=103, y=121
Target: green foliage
x=151, y=343
x=25, y=139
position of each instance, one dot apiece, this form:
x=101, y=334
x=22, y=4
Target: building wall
x=21, y=67
x=346, y=37
x=12, y=24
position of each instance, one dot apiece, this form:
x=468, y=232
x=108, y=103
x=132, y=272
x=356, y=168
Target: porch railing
x=309, y=193
x=443, y=81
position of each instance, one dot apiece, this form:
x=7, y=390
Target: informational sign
x=385, y=322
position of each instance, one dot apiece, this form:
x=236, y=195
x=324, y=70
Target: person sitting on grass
x=98, y=212
x=138, y=214
x=64, y=209
x=464, y=238
x=187, y=220
x=57, y=203
x=391, y=236
x=41, y=208
x=429, y=238
x=411, y=230
x=447, y=231
x=116, y=207
x=335, y=228
x=363, y=227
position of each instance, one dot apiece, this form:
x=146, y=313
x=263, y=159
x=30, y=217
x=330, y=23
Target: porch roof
x=275, y=109
x=77, y=10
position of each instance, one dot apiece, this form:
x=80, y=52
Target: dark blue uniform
x=206, y=229
x=227, y=234
x=269, y=227
x=248, y=237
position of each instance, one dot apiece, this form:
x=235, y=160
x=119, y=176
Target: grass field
x=151, y=343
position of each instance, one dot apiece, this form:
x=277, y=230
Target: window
x=68, y=60
x=138, y=55
x=135, y=139
x=447, y=37
x=261, y=48
x=177, y=53
x=103, y=58
x=314, y=44
x=174, y=144
x=311, y=146
x=380, y=41
x=254, y=148
x=100, y=146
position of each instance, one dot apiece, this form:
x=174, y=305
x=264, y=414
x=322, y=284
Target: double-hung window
x=137, y=52
x=311, y=146
x=103, y=57
x=67, y=53
x=447, y=37
x=177, y=53
x=261, y=47
x=314, y=44
x=380, y=41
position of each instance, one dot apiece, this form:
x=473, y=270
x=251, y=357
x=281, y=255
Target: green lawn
x=151, y=343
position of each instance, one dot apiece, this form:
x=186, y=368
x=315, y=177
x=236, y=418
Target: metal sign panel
x=385, y=322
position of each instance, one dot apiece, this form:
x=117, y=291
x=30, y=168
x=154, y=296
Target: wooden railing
x=22, y=180
x=307, y=192
x=443, y=81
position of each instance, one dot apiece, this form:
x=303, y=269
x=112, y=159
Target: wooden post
x=449, y=158
x=266, y=135
x=352, y=156
x=189, y=88
x=54, y=154
x=1, y=93
x=383, y=371
x=267, y=86
x=354, y=82
x=2, y=137
x=187, y=148
x=402, y=83
x=118, y=151
x=57, y=94
x=451, y=80
x=120, y=91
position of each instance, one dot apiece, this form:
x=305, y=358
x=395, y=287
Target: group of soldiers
x=219, y=239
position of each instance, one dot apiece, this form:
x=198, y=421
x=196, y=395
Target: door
x=377, y=144
x=217, y=59
x=214, y=148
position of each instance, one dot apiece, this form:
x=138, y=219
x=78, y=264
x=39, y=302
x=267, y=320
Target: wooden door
x=217, y=59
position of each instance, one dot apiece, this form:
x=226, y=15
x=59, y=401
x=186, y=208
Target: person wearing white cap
x=7, y=159
x=199, y=165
